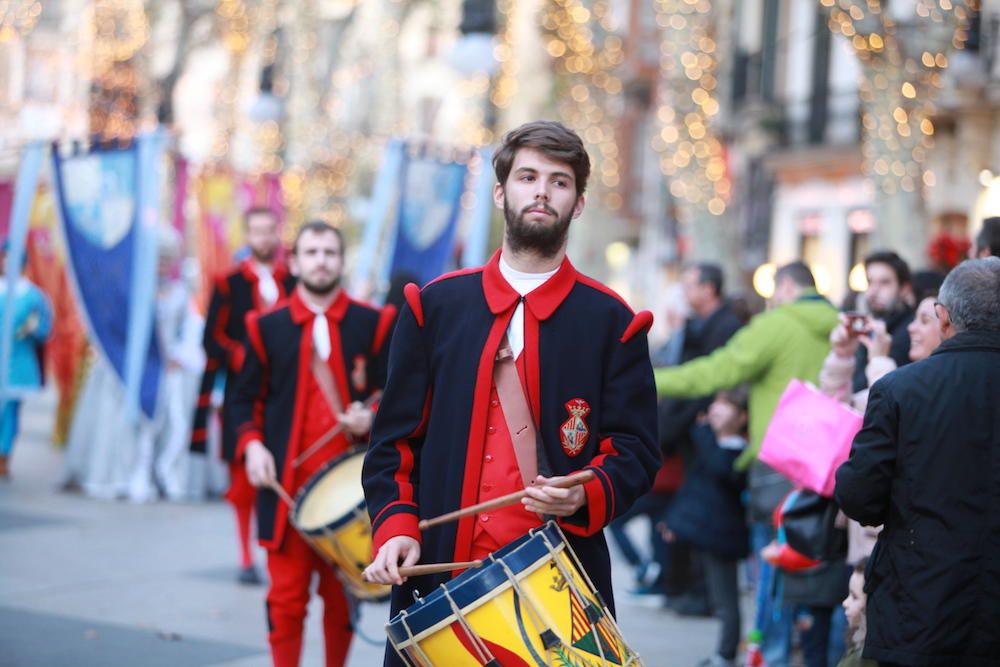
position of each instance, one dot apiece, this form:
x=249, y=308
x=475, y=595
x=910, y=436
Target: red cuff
x=597, y=503
x=401, y=523
x=245, y=438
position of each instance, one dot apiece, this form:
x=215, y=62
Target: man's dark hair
x=710, y=274
x=318, y=227
x=553, y=140
x=894, y=262
x=925, y=284
x=259, y=210
x=988, y=237
x=797, y=272
x=738, y=396
x=971, y=293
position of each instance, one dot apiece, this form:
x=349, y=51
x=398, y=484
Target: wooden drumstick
x=436, y=568
x=280, y=490
x=575, y=479
x=331, y=434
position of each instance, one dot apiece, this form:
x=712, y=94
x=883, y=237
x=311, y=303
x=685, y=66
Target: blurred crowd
x=722, y=521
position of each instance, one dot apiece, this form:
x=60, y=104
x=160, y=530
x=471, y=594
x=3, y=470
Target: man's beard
x=263, y=256
x=897, y=306
x=541, y=239
x=321, y=288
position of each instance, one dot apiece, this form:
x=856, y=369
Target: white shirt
x=523, y=283
x=266, y=286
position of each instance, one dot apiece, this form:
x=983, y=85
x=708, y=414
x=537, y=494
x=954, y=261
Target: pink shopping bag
x=809, y=436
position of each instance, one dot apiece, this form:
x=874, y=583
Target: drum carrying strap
x=324, y=379
x=516, y=412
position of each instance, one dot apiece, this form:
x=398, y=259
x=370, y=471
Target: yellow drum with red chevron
x=529, y=605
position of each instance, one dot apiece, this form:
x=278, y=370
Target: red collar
x=542, y=301
x=280, y=272
x=301, y=313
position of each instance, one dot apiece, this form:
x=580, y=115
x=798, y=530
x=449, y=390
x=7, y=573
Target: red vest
x=500, y=476
x=317, y=420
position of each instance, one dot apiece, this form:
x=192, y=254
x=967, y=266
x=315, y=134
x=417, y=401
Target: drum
x=529, y=605
x=330, y=514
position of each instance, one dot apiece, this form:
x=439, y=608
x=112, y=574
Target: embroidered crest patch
x=359, y=374
x=574, y=432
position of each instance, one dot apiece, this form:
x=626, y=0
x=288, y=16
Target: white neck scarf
x=523, y=283
x=266, y=286
x=320, y=333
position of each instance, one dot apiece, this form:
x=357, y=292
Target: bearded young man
x=256, y=285
x=889, y=293
x=309, y=365
x=441, y=438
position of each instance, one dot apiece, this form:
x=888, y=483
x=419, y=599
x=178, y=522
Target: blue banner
x=109, y=256
x=429, y=204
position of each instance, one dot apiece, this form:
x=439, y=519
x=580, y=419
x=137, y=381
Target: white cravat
x=266, y=286
x=523, y=283
x=320, y=333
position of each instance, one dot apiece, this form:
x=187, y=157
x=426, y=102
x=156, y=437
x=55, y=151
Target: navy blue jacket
x=708, y=511
x=926, y=466
x=234, y=296
x=581, y=341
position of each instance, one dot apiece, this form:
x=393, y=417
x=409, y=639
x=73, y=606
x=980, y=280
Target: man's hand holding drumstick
x=261, y=469
x=555, y=496
x=385, y=568
x=544, y=498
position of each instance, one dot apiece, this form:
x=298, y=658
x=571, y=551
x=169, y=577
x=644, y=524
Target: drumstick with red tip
x=569, y=481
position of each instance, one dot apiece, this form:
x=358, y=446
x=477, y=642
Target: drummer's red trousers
x=291, y=569
x=242, y=496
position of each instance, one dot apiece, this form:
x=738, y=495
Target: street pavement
x=89, y=583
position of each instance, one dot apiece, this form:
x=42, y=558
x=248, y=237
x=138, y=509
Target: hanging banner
x=429, y=204
x=65, y=351
x=98, y=196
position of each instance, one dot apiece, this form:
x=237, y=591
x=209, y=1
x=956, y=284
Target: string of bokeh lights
x=902, y=68
x=18, y=19
x=587, y=54
x=692, y=156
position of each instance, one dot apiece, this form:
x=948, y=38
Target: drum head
x=332, y=494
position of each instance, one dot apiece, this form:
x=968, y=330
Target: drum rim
x=312, y=482
x=474, y=584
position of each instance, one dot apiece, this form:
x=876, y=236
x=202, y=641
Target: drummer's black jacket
x=583, y=346
x=234, y=295
x=271, y=387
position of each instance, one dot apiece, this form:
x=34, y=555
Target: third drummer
x=507, y=376
x=310, y=364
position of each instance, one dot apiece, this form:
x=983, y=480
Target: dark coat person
x=926, y=464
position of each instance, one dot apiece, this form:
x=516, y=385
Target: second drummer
x=310, y=364
x=505, y=376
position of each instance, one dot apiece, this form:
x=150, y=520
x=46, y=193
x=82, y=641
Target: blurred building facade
x=732, y=130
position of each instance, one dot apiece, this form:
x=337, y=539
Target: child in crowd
x=708, y=513
x=854, y=607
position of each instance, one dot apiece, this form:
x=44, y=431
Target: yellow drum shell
x=530, y=606
x=330, y=515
